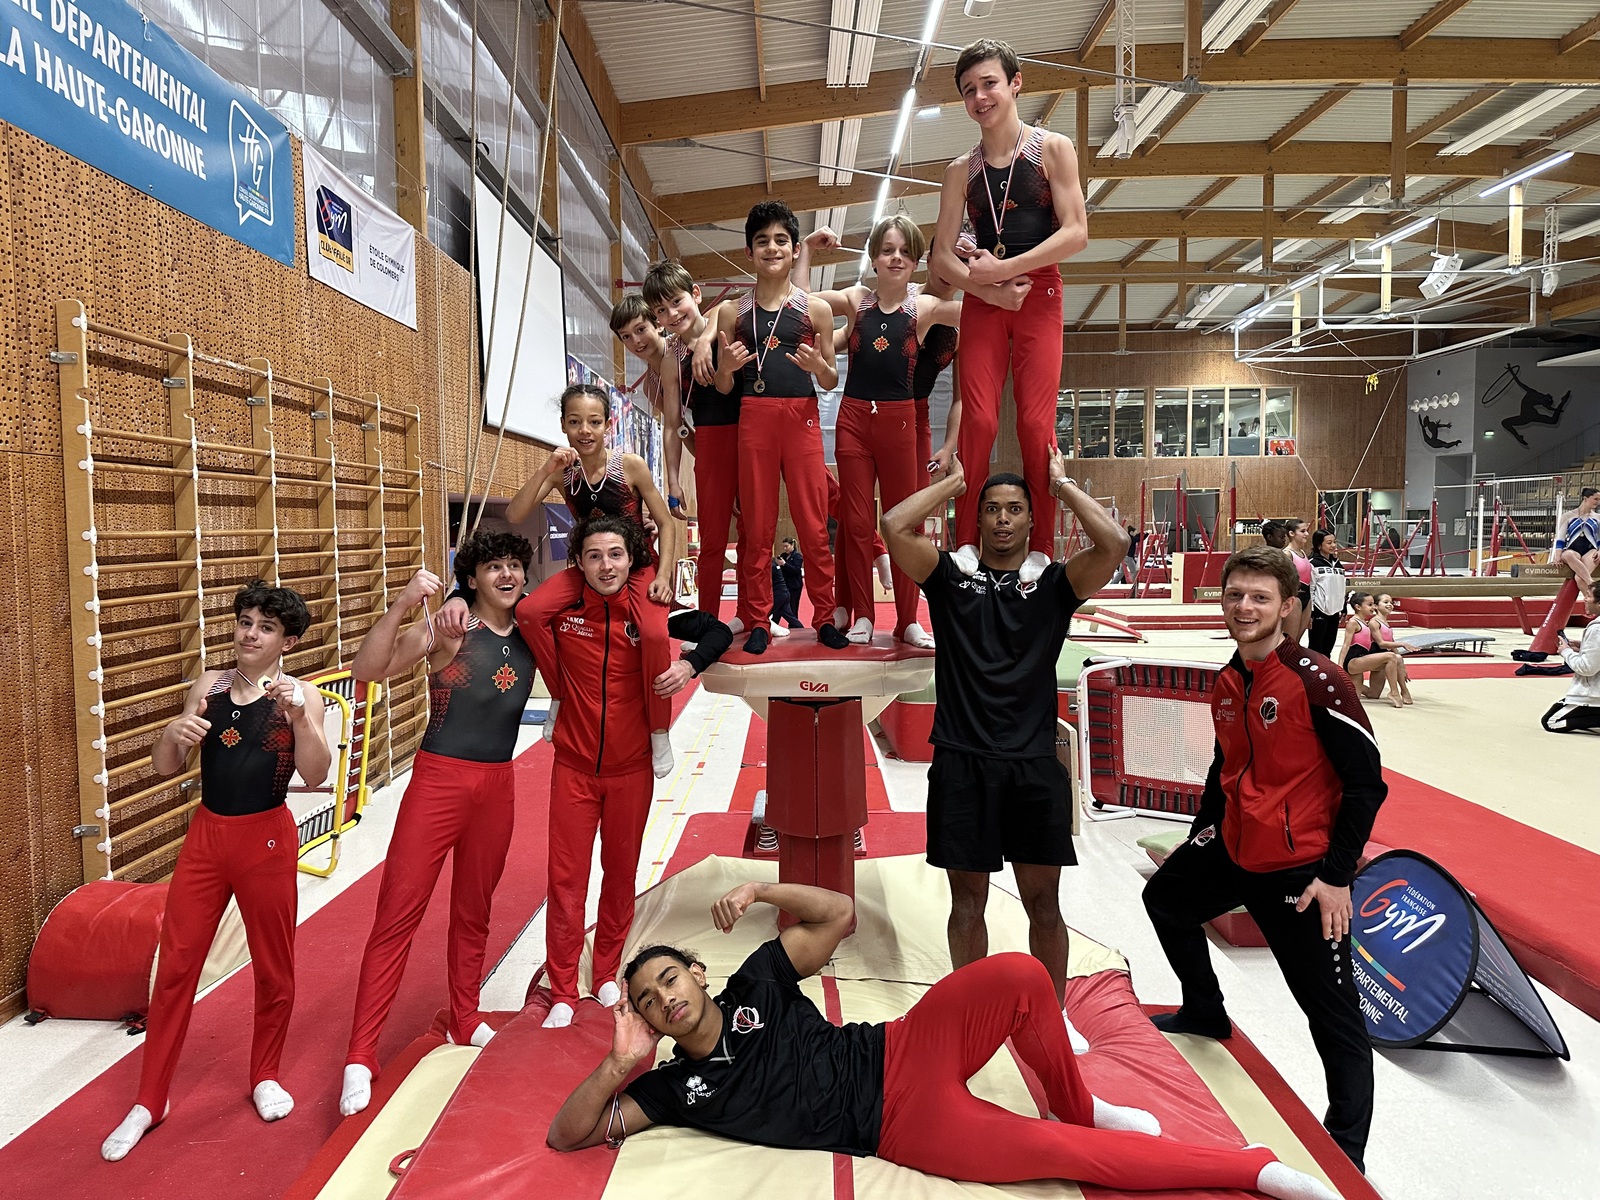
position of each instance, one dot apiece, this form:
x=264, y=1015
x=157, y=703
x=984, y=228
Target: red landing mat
x=59, y=1156
x=1539, y=891
x=888, y=835
x=489, y=1142
x=1480, y=669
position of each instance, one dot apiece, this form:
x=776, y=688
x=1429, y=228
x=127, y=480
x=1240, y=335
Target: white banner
x=355, y=244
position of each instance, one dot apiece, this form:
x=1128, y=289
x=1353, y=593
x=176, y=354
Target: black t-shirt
x=781, y=1075
x=995, y=673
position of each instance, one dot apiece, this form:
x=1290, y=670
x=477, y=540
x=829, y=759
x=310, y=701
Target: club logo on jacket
x=1269, y=711
x=632, y=631
x=746, y=1020
x=575, y=627
x=696, y=1088
x=1204, y=837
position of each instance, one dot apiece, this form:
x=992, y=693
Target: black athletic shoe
x=1219, y=1028
x=756, y=643
x=830, y=637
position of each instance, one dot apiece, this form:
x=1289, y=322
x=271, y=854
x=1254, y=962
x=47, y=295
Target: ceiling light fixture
x=1404, y=232
x=1529, y=110
x=1538, y=168
x=1441, y=275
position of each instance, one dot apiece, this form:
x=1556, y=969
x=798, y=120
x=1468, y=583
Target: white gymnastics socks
x=482, y=1035
x=861, y=632
x=126, y=1136
x=916, y=635
x=1115, y=1116
x=1285, y=1183
x=735, y=626
x=966, y=559
x=550, y=721
x=661, y=756
x=1033, y=566
x=609, y=993
x=886, y=579
x=560, y=1016
x=356, y=1092
x=271, y=1101
x=778, y=629
x=840, y=617
x=1080, y=1044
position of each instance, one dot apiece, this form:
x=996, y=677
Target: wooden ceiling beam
x=1276, y=61
x=1583, y=33
x=1289, y=132
x=1138, y=252
x=1088, y=309
x=1453, y=114
x=1213, y=160
x=1097, y=30
x=1430, y=20
x=1257, y=32
x=1185, y=107
x=1205, y=197
x=1327, y=190
x=1566, y=129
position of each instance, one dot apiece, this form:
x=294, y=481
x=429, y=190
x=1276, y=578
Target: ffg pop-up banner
x=102, y=82
x=1430, y=970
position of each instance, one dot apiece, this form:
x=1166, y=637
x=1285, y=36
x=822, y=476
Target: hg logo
x=252, y=154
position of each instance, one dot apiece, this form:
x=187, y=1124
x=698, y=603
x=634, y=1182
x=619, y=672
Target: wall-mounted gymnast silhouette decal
x=1430, y=433
x=1538, y=408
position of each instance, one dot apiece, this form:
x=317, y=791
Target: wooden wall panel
x=68, y=231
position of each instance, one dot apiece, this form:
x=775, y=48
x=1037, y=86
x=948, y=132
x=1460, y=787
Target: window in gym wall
x=1244, y=422
x=1171, y=423
x=1278, y=421
x=1094, y=424
x=1207, y=414
x=1066, y=427
x=1129, y=406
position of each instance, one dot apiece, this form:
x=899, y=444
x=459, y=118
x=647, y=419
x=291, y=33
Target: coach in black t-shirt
x=996, y=790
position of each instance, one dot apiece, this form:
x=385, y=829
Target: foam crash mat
x=489, y=1141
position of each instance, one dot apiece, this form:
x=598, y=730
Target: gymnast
x=759, y=1063
x=595, y=479
x=462, y=797
x=1578, y=542
x=1579, y=709
x=1384, y=640
x=1359, y=655
x=255, y=727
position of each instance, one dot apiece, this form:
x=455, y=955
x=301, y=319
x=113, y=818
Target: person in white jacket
x=1579, y=710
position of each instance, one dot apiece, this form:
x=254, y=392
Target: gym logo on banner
x=356, y=245
x=100, y=81
x=1413, y=944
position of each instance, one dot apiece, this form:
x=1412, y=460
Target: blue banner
x=110, y=87
x=1415, y=940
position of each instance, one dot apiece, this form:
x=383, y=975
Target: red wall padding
x=93, y=957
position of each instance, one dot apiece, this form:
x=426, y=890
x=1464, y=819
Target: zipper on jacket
x=605, y=679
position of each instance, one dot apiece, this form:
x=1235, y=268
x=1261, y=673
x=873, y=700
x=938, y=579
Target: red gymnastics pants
x=841, y=565
x=924, y=433
x=716, y=485
x=932, y=1123
x=252, y=858
x=536, y=610
x=782, y=438
x=1027, y=341
x=874, y=443
x=451, y=805
x=580, y=804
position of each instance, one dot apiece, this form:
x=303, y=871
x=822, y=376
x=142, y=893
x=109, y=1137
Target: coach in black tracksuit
x=1288, y=804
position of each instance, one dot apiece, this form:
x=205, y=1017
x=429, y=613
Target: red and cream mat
x=477, y=1125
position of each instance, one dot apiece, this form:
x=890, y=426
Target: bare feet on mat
x=126, y=1136
x=916, y=635
x=560, y=1016
x=861, y=632
x=356, y=1092
x=1116, y=1116
x=271, y=1101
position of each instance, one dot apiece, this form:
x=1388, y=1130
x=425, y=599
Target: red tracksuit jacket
x=1296, y=780
x=603, y=728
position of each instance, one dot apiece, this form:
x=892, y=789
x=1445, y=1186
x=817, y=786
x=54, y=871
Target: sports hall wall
x=70, y=232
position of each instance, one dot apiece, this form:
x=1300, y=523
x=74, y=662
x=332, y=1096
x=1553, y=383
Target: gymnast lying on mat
x=759, y=1063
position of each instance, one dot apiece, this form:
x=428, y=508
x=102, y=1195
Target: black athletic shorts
x=984, y=811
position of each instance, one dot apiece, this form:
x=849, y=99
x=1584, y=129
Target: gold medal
x=999, y=249
x=760, y=386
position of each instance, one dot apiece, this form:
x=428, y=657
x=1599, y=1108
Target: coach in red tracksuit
x=1287, y=807
x=601, y=779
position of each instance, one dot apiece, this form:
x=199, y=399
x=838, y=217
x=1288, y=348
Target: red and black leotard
x=247, y=756
x=883, y=351
x=1027, y=211
x=613, y=494
x=702, y=404
x=938, y=352
x=782, y=333
x=475, y=700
